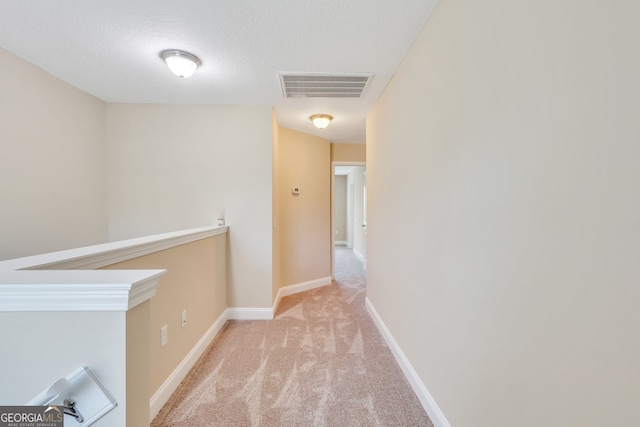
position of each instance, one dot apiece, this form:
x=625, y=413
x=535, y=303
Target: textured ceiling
x=110, y=49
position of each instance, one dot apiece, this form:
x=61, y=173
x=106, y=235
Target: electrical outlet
x=184, y=318
x=163, y=336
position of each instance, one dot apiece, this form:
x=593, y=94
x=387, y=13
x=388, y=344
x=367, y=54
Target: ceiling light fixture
x=181, y=63
x=321, y=121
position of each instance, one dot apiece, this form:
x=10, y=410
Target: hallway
x=320, y=362
x=348, y=268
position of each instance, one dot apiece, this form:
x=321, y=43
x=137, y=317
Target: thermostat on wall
x=295, y=190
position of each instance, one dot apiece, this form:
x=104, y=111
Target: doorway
x=348, y=221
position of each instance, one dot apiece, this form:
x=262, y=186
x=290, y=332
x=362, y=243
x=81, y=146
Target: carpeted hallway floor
x=320, y=362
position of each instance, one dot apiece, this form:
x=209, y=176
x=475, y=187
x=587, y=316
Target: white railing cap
x=76, y=290
x=97, y=256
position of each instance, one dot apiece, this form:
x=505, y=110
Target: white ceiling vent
x=318, y=85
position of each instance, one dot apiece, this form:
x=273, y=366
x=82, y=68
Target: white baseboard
x=299, y=287
x=341, y=243
x=358, y=255
x=162, y=395
x=433, y=411
x=238, y=313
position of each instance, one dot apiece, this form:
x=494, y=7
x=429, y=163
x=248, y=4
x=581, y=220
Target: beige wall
x=348, y=152
x=275, y=185
x=305, y=219
x=503, y=211
x=340, y=208
x=196, y=281
x=174, y=167
x=138, y=356
x=53, y=173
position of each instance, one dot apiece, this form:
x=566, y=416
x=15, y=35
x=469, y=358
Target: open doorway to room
x=348, y=220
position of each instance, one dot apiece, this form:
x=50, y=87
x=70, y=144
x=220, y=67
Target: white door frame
x=351, y=220
x=332, y=231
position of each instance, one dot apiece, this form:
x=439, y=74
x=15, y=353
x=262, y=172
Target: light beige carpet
x=320, y=362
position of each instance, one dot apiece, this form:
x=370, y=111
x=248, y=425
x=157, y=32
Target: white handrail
x=92, y=257
x=67, y=280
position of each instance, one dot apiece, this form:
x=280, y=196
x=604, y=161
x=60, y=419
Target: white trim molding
x=428, y=403
x=97, y=256
x=341, y=243
x=169, y=386
x=299, y=287
x=335, y=163
x=239, y=313
x=77, y=290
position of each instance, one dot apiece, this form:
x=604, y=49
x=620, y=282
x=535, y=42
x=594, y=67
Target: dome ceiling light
x=321, y=121
x=181, y=63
